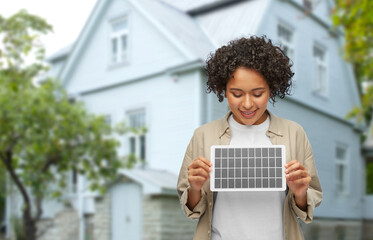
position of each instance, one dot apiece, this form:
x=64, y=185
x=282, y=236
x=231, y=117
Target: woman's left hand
x=298, y=180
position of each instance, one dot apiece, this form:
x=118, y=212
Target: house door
x=126, y=213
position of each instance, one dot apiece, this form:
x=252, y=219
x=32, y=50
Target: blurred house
x=142, y=60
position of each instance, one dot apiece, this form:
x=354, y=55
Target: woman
x=249, y=72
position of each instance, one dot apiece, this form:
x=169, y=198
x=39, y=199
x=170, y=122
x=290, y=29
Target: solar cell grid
x=259, y=168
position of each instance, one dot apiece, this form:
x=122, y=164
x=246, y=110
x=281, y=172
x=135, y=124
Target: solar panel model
x=256, y=168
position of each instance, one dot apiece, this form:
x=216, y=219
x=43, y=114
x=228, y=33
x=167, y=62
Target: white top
x=248, y=215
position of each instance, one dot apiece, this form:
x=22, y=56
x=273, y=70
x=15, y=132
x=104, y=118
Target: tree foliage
x=356, y=19
x=43, y=136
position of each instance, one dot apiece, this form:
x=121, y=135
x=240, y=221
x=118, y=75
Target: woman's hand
x=298, y=180
x=198, y=173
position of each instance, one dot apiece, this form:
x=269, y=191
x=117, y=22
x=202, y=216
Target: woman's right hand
x=198, y=173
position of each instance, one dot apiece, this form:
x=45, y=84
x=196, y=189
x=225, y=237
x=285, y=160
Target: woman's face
x=247, y=94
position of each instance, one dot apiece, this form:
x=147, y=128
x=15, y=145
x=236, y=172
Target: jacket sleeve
x=183, y=187
x=314, y=192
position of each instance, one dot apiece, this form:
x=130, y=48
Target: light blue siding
x=321, y=9
x=218, y=109
x=149, y=52
x=170, y=102
x=368, y=209
x=342, y=90
x=324, y=132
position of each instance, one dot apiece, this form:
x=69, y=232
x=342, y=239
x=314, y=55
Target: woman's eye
x=235, y=95
x=258, y=95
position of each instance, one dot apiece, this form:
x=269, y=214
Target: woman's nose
x=247, y=103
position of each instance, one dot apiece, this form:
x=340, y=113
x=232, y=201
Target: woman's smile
x=247, y=93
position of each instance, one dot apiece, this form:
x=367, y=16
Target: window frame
x=284, y=42
x=308, y=5
x=117, y=35
x=345, y=190
x=135, y=141
x=319, y=63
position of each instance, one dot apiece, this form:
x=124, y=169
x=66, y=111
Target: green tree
x=43, y=136
x=356, y=19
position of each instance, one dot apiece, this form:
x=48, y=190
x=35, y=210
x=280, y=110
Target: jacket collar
x=274, y=125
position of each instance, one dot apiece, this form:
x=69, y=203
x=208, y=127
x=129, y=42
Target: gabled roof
x=181, y=25
x=83, y=37
x=62, y=53
x=164, y=17
x=241, y=19
x=153, y=181
x=174, y=20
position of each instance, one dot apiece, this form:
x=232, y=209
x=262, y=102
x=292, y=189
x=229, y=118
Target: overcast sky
x=66, y=16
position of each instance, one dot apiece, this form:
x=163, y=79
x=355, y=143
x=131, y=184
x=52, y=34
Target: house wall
x=64, y=226
x=164, y=219
x=324, y=132
x=102, y=218
x=368, y=207
x=55, y=68
x=339, y=214
x=172, y=113
x=321, y=9
x=219, y=109
x=149, y=51
x=323, y=229
x=322, y=117
x=213, y=109
x=367, y=230
x=342, y=90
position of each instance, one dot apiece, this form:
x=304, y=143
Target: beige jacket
x=280, y=132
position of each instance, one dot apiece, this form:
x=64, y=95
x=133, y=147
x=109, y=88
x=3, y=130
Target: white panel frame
x=212, y=173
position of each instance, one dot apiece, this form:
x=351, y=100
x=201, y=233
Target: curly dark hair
x=256, y=53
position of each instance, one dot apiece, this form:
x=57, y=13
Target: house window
x=137, y=139
x=142, y=146
x=340, y=233
x=308, y=6
x=72, y=181
x=286, y=38
x=321, y=80
x=341, y=169
x=75, y=180
x=108, y=120
x=119, y=40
